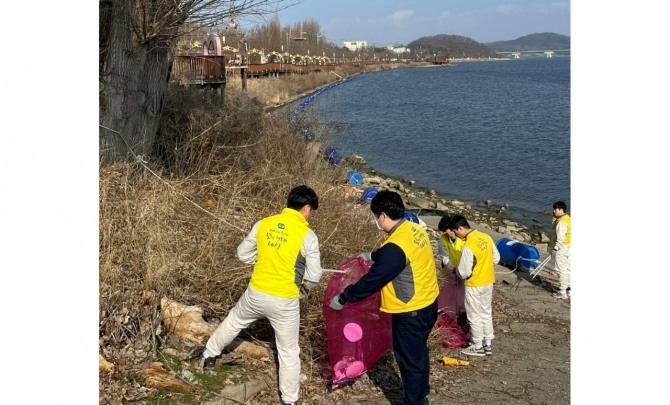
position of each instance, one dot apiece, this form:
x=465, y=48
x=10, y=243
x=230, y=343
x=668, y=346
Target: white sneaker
x=488, y=349
x=472, y=350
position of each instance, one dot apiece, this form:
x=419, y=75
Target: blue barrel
x=529, y=256
x=505, y=247
x=517, y=254
x=354, y=177
x=368, y=194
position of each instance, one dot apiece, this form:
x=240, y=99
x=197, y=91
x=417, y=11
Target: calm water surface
x=472, y=131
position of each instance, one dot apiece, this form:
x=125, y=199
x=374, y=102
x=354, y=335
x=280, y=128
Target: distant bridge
x=548, y=54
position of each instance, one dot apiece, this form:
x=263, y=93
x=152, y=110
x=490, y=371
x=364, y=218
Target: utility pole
x=288, y=46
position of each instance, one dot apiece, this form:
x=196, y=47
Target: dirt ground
x=530, y=363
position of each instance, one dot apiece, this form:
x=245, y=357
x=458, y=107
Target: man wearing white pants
x=287, y=264
x=476, y=267
x=560, y=249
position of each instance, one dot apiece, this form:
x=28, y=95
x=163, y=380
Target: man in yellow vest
x=404, y=270
x=449, y=245
x=449, y=249
x=560, y=249
x=287, y=264
x=478, y=257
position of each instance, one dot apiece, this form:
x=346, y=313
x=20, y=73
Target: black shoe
x=209, y=362
x=196, y=353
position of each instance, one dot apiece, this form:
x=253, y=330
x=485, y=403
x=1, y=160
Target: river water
x=473, y=131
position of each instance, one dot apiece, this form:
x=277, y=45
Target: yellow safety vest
x=280, y=266
x=563, y=218
x=481, y=246
x=416, y=286
x=454, y=249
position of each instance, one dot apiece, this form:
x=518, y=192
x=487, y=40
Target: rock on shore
x=427, y=203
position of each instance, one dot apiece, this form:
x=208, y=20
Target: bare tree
x=137, y=42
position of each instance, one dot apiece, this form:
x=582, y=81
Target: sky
x=49, y=254
x=382, y=22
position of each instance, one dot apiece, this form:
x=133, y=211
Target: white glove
x=336, y=304
x=367, y=256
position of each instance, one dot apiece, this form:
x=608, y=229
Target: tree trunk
x=134, y=75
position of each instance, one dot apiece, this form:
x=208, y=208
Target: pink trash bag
x=359, y=334
x=452, y=320
x=452, y=295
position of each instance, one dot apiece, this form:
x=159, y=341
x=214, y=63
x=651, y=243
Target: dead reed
x=219, y=170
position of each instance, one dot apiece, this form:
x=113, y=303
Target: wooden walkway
x=212, y=70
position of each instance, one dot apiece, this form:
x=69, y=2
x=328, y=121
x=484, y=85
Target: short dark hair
x=388, y=202
x=444, y=222
x=457, y=221
x=560, y=205
x=300, y=196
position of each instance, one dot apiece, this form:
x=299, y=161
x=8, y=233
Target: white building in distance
x=355, y=45
x=398, y=48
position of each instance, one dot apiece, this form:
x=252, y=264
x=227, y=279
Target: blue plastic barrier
x=333, y=156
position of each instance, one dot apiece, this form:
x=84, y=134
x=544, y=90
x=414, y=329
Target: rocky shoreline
x=430, y=203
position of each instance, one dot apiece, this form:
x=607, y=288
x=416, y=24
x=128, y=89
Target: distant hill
x=533, y=42
x=455, y=45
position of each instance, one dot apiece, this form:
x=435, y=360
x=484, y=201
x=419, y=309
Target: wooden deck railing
x=212, y=70
x=199, y=69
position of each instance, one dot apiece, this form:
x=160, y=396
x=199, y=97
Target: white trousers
x=478, y=301
x=561, y=263
x=284, y=316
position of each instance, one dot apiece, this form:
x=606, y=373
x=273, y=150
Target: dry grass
x=273, y=90
x=175, y=233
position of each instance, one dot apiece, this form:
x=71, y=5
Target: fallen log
x=186, y=321
x=249, y=349
x=157, y=377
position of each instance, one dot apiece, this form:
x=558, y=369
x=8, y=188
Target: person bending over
x=287, y=264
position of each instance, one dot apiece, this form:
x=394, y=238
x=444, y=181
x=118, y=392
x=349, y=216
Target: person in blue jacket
x=403, y=268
